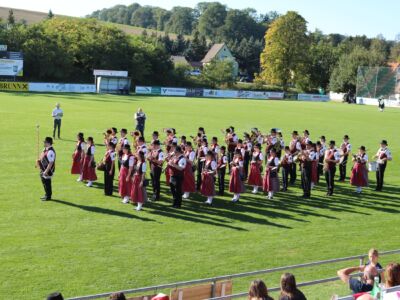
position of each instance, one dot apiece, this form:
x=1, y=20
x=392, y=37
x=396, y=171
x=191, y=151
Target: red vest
x=175, y=171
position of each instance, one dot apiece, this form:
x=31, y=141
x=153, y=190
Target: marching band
x=201, y=166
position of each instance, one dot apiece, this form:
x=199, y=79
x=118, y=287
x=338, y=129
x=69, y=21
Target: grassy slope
x=32, y=17
x=84, y=243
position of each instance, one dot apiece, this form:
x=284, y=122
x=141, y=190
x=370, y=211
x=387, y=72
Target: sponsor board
x=167, y=91
x=313, y=97
x=112, y=73
x=373, y=101
x=11, y=67
x=14, y=86
x=220, y=93
x=61, y=87
x=194, y=92
x=148, y=90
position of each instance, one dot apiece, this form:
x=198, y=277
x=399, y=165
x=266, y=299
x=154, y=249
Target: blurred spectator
x=392, y=275
x=365, y=284
x=117, y=296
x=373, y=256
x=55, y=296
x=258, y=291
x=289, y=290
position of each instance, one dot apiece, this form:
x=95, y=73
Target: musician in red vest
x=156, y=160
x=332, y=157
x=295, y=148
x=346, y=148
x=177, y=166
x=383, y=155
x=109, y=169
x=221, y=170
x=46, y=163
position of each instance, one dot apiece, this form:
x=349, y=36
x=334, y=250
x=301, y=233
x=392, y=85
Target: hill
x=32, y=17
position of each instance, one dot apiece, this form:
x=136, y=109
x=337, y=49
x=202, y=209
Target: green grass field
x=83, y=243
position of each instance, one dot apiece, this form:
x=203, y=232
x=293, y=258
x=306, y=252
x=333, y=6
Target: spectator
x=140, y=118
x=258, y=291
x=392, y=275
x=366, y=283
x=117, y=296
x=55, y=296
x=373, y=256
x=289, y=290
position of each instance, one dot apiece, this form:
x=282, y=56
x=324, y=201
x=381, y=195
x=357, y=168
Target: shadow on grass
x=101, y=210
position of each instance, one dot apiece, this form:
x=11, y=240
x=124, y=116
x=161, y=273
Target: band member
x=138, y=190
x=359, y=173
x=248, y=148
x=107, y=137
x=125, y=173
x=345, y=149
x=121, y=143
x=321, y=148
x=383, y=155
x=255, y=178
x=113, y=137
x=189, y=184
x=155, y=136
x=271, y=141
x=314, y=158
x=305, y=139
x=183, y=143
x=271, y=179
x=221, y=169
x=89, y=165
x=135, y=138
x=236, y=183
x=46, y=162
x=305, y=167
x=295, y=148
x=78, y=156
x=177, y=166
x=170, y=156
x=282, y=144
x=381, y=104
x=109, y=169
x=214, y=147
x=156, y=159
x=332, y=157
x=201, y=157
x=286, y=163
x=208, y=181
x=231, y=140
x=201, y=133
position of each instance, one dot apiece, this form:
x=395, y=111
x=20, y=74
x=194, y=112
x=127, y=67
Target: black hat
x=183, y=137
x=346, y=137
x=55, y=296
x=258, y=145
x=127, y=146
x=309, y=143
x=48, y=140
x=384, y=142
x=332, y=142
x=306, y=132
x=273, y=130
x=295, y=132
x=362, y=148
x=322, y=137
x=178, y=149
x=155, y=133
x=174, y=144
x=201, y=129
x=156, y=142
x=124, y=130
x=115, y=129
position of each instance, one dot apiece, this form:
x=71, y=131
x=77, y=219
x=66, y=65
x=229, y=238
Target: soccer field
x=84, y=243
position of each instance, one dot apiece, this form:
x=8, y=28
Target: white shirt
x=313, y=155
x=192, y=156
x=336, y=155
x=112, y=154
x=182, y=162
x=57, y=113
x=213, y=165
x=92, y=150
x=288, y=157
x=235, y=138
x=224, y=159
x=160, y=156
x=114, y=140
x=131, y=159
x=51, y=156
x=276, y=161
x=260, y=156
x=386, y=151
x=143, y=148
x=144, y=167
x=216, y=149
x=364, y=159
x=123, y=141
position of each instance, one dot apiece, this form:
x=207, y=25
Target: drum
x=372, y=166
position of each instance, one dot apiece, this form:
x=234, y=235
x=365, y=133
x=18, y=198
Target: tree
x=50, y=15
x=395, y=53
x=344, y=75
x=219, y=73
x=211, y=19
x=247, y=53
x=179, y=45
x=285, y=55
x=197, y=48
x=11, y=18
x=181, y=21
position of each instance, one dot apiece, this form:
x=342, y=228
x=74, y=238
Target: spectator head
x=392, y=275
x=373, y=254
x=58, y=105
x=258, y=290
x=117, y=296
x=140, y=110
x=55, y=296
x=369, y=273
x=288, y=285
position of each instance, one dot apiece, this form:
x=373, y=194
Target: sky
x=348, y=17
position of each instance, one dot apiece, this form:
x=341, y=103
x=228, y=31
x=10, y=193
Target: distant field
x=32, y=17
x=83, y=243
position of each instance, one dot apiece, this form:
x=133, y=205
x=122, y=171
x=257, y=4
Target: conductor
x=57, y=114
x=140, y=118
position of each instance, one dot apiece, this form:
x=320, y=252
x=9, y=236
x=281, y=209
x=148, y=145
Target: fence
x=214, y=280
x=389, y=290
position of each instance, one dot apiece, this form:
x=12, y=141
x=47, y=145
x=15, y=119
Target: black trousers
x=155, y=182
x=47, y=186
x=342, y=169
x=293, y=173
x=321, y=166
x=199, y=170
x=246, y=163
x=380, y=173
x=108, y=182
x=57, y=125
x=306, y=179
x=176, y=190
x=230, y=158
x=330, y=179
x=221, y=181
x=285, y=177
x=140, y=129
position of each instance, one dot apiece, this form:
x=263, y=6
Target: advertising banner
x=194, y=92
x=220, y=93
x=11, y=67
x=143, y=90
x=61, y=87
x=167, y=91
x=112, y=73
x=14, y=86
x=313, y=97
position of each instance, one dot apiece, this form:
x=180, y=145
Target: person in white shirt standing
x=57, y=115
x=46, y=163
x=140, y=118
